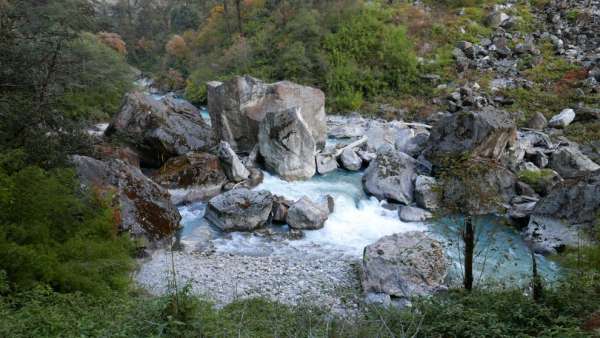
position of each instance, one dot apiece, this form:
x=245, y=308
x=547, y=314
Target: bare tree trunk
x=536, y=283
x=469, y=239
x=226, y=12
x=239, y=16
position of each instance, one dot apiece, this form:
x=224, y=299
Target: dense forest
x=66, y=267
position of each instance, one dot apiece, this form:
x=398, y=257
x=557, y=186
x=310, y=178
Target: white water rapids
x=358, y=221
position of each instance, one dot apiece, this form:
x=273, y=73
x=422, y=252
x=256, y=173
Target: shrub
x=49, y=235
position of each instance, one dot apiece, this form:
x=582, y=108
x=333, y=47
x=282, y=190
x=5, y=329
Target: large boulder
x=485, y=133
x=391, y=176
x=240, y=209
x=563, y=119
x=144, y=209
x=350, y=160
x=238, y=106
x=305, y=214
x=159, y=131
x=234, y=168
x=569, y=162
x=548, y=235
x=404, y=265
x=193, y=176
x=286, y=144
x=576, y=201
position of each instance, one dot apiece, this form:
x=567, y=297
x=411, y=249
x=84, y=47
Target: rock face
x=563, y=119
x=145, y=208
x=425, y=196
x=234, y=168
x=350, y=160
x=159, y=131
x=391, y=176
x=240, y=209
x=287, y=145
x=574, y=201
x=200, y=174
x=413, y=214
x=305, y=214
x=569, y=162
x=238, y=106
x=404, y=265
x=484, y=133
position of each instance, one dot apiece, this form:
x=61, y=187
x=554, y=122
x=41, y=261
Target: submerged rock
x=413, y=214
x=286, y=144
x=391, y=176
x=144, y=209
x=240, y=209
x=404, y=265
x=159, y=131
x=238, y=106
x=305, y=214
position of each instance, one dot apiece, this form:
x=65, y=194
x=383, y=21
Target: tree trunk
x=239, y=16
x=469, y=239
x=536, y=283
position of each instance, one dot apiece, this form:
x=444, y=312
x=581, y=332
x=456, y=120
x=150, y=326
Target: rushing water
x=359, y=221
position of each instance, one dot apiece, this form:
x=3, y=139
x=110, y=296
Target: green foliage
x=49, y=235
x=537, y=179
x=96, y=92
x=367, y=57
x=481, y=313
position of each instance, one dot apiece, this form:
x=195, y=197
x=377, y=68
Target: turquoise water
x=502, y=255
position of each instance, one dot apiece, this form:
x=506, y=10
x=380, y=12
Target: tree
x=464, y=190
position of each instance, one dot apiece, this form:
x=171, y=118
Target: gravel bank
x=222, y=277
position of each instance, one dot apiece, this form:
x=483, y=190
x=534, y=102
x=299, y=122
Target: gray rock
x=281, y=206
x=496, y=19
x=538, y=121
x=391, y=176
x=238, y=106
x=569, y=162
x=425, y=195
x=575, y=201
x=199, y=174
x=234, y=168
x=411, y=142
x=305, y=214
x=563, y=119
x=350, y=160
x=240, y=209
x=413, y=214
x=145, y=209
x=159, y=131
x=404, y=265
x=286, y=144
x=485, y=133
x=367, y=156
x=326, y=163
x=549, y=235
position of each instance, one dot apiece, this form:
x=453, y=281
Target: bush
x=49, y=235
